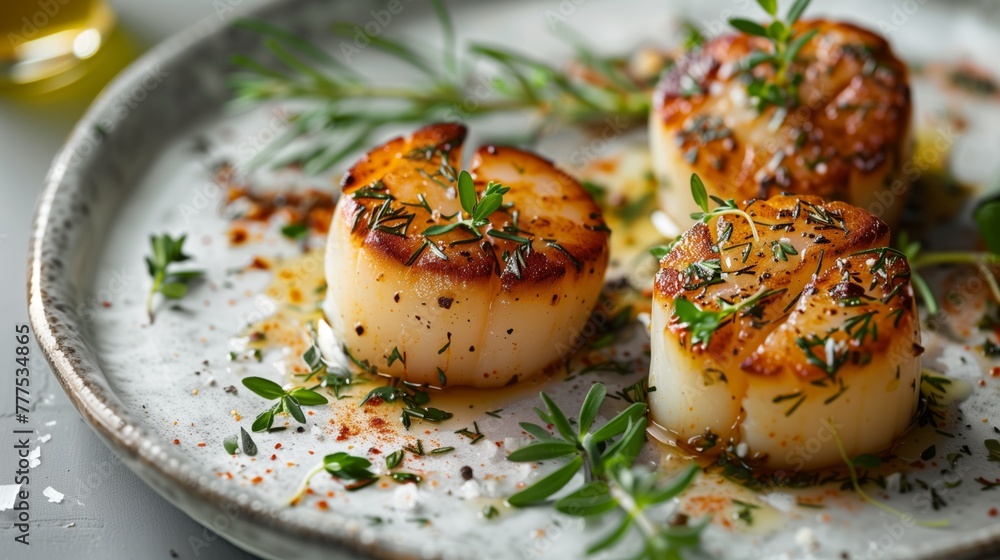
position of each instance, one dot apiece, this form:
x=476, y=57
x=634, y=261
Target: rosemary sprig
x=782, y=90
x=171, y=284
x=351, y=109
x=610, y=482
x=589, y=450
x=289, y=402
x=702, y=324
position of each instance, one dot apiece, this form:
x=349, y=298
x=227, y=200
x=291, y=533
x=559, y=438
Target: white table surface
x=107, y=512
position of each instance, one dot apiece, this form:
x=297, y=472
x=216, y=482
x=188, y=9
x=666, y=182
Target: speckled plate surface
x=140, y=163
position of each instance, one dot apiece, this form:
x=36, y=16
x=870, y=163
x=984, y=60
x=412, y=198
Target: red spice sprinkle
x=993, y=512
x=106, y=303
x=177, y=442
x=273, y=457
x=202, y=444
x=345, y=433
x=277, y=446
x=257, y=480
x=374, y=451
x=322, y=505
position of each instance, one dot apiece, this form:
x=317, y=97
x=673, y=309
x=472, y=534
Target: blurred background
x=55, y=57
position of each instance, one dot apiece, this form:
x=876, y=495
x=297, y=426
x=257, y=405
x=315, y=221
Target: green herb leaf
x=174, y=290
x=591, y=404
x=348, y=467
x=673, y=487
x=867, y=460
x=796, y=11
x=748, y=27
x=307, y=397
x=558, y=418
x=542, y=451
x=264, y=421
x=547, y=486
x=593, y=498
x=249, y=447
x=987, y=216
x=467, y=192
x=537, y=431
x=231, y=444
x=698, y=192
x=405, y=477
x=393, y=459
x=441, y=229
x=295, y=232
x=620, y=422
x=264, y=387
x=291, y=406
x=770, y=6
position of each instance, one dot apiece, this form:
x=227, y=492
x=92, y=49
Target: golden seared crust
x=860, y=307
x=853, y=117
x=798, y=237
x=403, y=187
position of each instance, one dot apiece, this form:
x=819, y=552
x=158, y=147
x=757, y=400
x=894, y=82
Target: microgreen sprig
x=610, y=482
x=701, y=197
x=171, y=284
x=987, y=217
x=350, y=470
x=851, y=463
x=289, y=402
x=477, y=209
x=782, y=90
x=702, y=324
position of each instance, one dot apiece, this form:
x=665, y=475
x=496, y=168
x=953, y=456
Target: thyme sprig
x=702, y=323
x=170, y=284
x=701, y=197
x=414, y=399
x=350, y=109
x=353, y=472
x=290, y=401
x=611, y=483
x=782, y=89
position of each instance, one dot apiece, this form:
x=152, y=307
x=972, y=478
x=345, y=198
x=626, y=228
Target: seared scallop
x=763, y=341
x=848, y=137
x=484, y=306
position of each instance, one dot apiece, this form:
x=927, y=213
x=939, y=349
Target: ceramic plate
x=144, y=160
